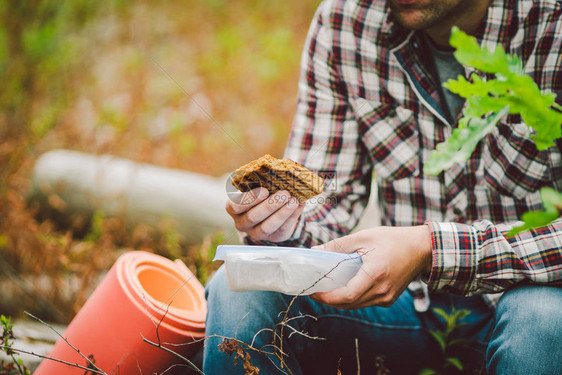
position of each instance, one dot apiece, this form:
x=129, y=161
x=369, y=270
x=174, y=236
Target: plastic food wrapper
x=289, y=270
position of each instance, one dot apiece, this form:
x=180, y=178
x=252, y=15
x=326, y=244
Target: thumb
x=347, y=244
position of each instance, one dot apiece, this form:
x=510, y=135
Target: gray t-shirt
x=447, y=68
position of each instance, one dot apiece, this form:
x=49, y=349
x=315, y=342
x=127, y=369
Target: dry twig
x=91, y=365
x=90, y=369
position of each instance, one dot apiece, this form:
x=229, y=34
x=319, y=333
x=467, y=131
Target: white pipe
x=140, y=193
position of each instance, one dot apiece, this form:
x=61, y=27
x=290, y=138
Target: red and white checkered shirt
x=368, y=104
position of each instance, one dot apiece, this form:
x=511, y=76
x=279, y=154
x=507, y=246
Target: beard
x=424, y=14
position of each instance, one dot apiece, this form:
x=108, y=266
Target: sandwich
x=278, y=174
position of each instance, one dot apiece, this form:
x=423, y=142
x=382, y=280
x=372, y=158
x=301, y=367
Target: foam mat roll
x=143, y=295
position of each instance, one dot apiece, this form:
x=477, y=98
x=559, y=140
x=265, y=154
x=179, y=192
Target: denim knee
x=527, y=338
x=237, y=313
x=249, y=317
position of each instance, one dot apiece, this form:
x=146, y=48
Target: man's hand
x=263, y=217
x=392, y=258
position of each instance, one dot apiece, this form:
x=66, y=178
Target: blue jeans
x=527, y=338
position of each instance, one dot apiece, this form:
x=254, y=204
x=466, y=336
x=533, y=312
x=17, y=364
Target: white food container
x=288, y=270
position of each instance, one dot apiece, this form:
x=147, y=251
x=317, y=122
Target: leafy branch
x=462, y=143
x=509, y=91
x=6, y=344
x=552, y=203
x=446, y=340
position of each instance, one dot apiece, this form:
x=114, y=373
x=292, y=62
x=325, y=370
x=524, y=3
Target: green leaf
x=552, y=199
x=461, y=144
x=461, y=314
x=428, y=371
x=548, y=129
x=449, y=320
x=454, y=362
x=6, y=322
x=509, y=88
x=552, y=202
x=534, y=219
x=460, y=324
x=442, y=313
x=469, y=53
x=458, y=341
x=439, y=337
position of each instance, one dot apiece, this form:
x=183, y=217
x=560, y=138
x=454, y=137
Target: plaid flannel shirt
x=368, y=104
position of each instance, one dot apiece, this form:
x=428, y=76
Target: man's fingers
x=272, y=223
x=262, y=211
x=242, y=202
x=287, y=227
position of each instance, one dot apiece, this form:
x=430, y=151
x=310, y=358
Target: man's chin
x=412, y=20
x=410, y=16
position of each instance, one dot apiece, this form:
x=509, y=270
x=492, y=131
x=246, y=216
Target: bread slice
x=278, y=174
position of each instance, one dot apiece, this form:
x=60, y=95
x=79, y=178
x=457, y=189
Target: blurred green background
x=93, y=76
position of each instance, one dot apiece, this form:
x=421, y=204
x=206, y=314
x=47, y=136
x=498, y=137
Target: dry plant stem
x=357, y=356
x=95, y=371
x=267, y=346
x=303, y=334
x=14, y=360
x=243, y=343
x=264, y=330
x=11, y=352
x=171, y=367
x=160, y=323
x=191, y=364
x=92, y=364
x=248, y=346
x=251, y=347
x=278, y=350
x=286, y=313
x=158, y=345
x=20, y=370
x=185, y=343
x=238, y=326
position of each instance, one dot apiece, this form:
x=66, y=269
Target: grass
x=203, y=86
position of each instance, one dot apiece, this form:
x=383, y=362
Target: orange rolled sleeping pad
x=143, y=295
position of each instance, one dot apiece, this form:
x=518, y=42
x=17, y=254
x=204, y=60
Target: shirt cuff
x=455, y=258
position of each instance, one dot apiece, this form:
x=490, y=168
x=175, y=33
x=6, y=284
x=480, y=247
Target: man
x=370, y=101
